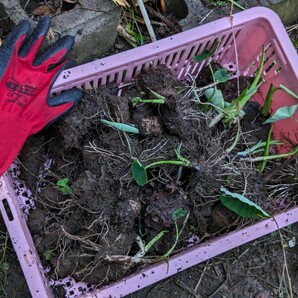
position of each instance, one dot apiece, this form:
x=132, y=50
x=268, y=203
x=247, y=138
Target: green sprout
x=266, y=151
x=158, y=100
x=233, y=111
x=228, y=112
x=257, y=148
x=63, y=186
x=47, y=255
x=121, y=126
x=293, y=152
x=268, y=101
x=179, y=213
x=144, y=248
x=139, y=171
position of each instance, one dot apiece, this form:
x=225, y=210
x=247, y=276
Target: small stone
x=119, y=46
x=150, y=126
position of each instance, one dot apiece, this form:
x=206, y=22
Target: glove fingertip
x=22, y=28
x=75, y=94
x=68, y=41
x=72, y=95
x=13, y=42
x=40, y=31
x=56, y=53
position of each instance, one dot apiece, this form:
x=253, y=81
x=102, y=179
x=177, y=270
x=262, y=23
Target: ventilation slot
x=123, y=77
x=183, y=63
x=170, y=63
x=170, y=59
x=270, y=64
x=228, y=40
x=134, y=72
x=88, y=86
x=192, y=52
x=116, y=77
x=95, y=84
x=111, y=78
x=104, y=80
x=278, y=69
x=177, y=59
x=7, y=210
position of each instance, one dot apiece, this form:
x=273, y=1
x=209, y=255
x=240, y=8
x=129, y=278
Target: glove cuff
x=13, y=133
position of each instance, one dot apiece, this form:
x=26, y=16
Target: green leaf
x=248, y=94
x=221, y=75
x=121, y=126
x=136, y=100
x=204, y=55
x=136, y=35
x=139, y=173
x=287, y=90
x=256, y=148
x=282, y=113
x=233, y=110
x=159, y=96
x=47, y=255
x=63, y=182
x=184, y=160
x=215, y=96
x=179, y=213
x=295, y=43
x=63, y=186
x=241, y=205
x=154, y=240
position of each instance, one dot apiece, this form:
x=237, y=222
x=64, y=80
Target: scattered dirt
x=78, y=234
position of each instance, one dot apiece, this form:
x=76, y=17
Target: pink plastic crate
x=243, y=36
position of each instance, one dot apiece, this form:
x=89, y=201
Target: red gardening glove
x=25, y=82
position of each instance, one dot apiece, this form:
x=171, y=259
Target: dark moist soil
x=107, y=209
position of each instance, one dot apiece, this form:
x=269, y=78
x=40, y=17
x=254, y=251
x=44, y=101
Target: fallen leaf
x=43, y=10
x=163, y=6
x=122, y=3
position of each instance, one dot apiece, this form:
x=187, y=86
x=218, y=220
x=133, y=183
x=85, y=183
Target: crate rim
x=78, y=76
x=81, y=74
